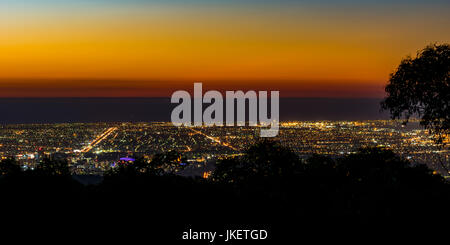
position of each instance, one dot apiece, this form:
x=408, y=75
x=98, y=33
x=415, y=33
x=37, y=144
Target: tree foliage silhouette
x=369, y=183
x=264, y=159
x=45, y=168
x=269, y=183
x=377, y=166
x=421, y=86
x=9, y=167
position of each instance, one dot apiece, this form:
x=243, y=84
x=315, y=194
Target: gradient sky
x=111, y=48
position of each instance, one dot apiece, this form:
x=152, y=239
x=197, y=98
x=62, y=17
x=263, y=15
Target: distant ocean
x=70, y=110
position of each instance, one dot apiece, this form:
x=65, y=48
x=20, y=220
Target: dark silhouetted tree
x=372, y=165
x=421, y=86
x=137, y=168
x=264, y=159
x=9, y=167
x=377, y=182
x=52, y=168
x=170, y=162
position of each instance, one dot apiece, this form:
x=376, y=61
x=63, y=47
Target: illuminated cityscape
x=92, y=148
x=216, y=121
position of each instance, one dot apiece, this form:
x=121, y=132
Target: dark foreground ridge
x=269, y=187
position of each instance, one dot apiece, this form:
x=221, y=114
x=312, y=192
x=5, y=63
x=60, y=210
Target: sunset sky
x=109, y=48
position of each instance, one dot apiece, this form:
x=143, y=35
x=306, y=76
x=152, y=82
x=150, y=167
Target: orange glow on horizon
x=153, y=51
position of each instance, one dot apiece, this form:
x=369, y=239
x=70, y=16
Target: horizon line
x=168, y=97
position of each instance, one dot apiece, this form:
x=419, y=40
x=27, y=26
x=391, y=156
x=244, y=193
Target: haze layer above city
x=71, y=110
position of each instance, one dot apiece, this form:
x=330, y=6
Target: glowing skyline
x=150, y=48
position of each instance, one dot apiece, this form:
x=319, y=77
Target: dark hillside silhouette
x=268, y=185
